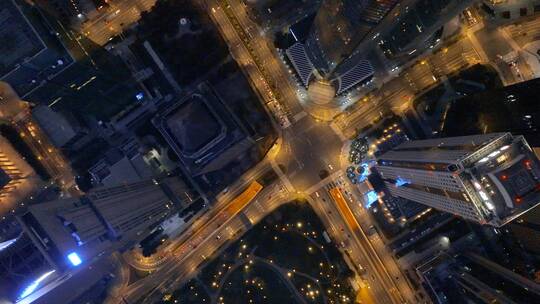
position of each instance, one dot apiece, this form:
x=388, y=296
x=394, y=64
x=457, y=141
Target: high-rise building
x=326, y=56
x=20, y=260
x=472, y=278
x=489, y=178
x=345, y=33
x=104, y=220
x=526, y=231
x=75, y=234
x=207, y=137
x=329, y=52
x=338, y=28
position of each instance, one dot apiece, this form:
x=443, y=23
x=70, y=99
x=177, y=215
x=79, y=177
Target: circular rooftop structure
x=321, y=92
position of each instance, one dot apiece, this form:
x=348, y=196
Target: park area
x=282, y=259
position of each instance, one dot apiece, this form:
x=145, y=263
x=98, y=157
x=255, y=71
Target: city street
x=184, y=263
x=343, y=215
x=309, y=151
x=17, y=112
x=349, y=91
x=113, y=20
x=395, y=95
x=258, y=58
x=309, y=148
x=307, y=161
x=205, y=216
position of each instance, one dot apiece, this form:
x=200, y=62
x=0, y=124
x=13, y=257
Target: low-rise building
x=121, y=165
x=61, y=130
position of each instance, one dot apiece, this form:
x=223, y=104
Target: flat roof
x=19, y=39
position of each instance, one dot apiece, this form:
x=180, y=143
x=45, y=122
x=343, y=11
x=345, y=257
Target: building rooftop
x=54, y=124
x=301, y=63
x=17, y=179
x=507, y=179
x=194, y=124
x=33, y=52
x=202, y=131
x=19, y=40
x=121, y=165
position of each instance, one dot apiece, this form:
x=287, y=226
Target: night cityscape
x=269, y=151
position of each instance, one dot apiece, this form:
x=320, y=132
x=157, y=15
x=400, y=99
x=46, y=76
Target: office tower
x=329, y=53
x=489, y=178
x=526, y=231
x=326, y=59
x=75, y=235
x=472, y=278
x=20, y=260
x=338, y=28
x=417, y=26
x=105, y=219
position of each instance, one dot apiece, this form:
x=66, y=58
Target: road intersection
x=307, y=159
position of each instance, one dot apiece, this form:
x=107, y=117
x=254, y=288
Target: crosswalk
x=330, y=180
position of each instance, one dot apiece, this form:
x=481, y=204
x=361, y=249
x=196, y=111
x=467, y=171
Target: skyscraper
x=472, y=278
x=339, y=46
x=489, y=178
x=75, y=234
x=338, y=28
x=105, y=219
x=526, y=231
x=329, y=52
x=326, y=57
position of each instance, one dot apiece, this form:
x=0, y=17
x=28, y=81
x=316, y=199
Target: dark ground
x=289, y=238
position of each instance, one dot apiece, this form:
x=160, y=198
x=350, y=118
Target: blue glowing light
x=400, y=182
x=6, y=244
x=74, y=258
x=32, y=287
x=139, y=96
x=371, y=197
x=364, y=173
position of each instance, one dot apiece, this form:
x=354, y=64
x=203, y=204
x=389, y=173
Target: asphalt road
x=17, y=112
x=395, y=95
x=112, y=21
x=279, y=76
x=343, y=218
x=308, y=148
x=498, y=47
x=184, y=264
